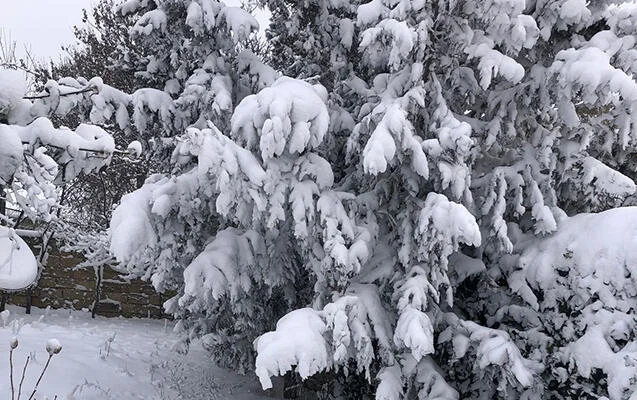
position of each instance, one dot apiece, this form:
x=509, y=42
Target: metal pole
x=3, y=201
x=29, y=300
x=3, y=301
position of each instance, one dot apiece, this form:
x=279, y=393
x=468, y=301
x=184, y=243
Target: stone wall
x=63, y=286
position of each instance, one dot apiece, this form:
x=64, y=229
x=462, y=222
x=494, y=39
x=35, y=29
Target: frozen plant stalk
x=53, y=347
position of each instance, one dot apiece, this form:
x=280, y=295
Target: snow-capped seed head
x=13, y=342
x=53, y=346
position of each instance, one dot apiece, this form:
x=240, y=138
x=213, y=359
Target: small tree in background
x=101, y=40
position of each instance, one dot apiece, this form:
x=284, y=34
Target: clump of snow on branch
x=288, y=116
x=297, y=342
x=13, y=87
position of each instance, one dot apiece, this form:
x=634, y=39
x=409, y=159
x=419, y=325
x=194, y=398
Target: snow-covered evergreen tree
x=197, y=71
x=410, y=197
x=522, y=113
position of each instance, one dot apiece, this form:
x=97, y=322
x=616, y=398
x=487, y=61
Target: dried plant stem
x=35, y=389
x=24, y=372
x=11, y=374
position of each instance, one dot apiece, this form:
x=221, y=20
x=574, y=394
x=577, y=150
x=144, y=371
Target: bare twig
x=24, y=372
x=35, y=389
x=116, y=151
x=43, y=96
x=7, y=48
x=9, y=58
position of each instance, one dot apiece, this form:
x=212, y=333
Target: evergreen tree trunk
x=291, y=386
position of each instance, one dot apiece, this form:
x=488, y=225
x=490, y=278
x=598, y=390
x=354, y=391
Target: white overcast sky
x=42, y=25
x=45, y=25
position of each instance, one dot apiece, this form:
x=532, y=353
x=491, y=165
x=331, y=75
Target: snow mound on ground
x=18, y=266
x=113, y=358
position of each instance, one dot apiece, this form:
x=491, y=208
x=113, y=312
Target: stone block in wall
x=148, y=311
x=156, y=298
x=146, y=288
x=116, y=296
x=56, y=282
x=83, y=275
x=137, y=298
x=108, y=306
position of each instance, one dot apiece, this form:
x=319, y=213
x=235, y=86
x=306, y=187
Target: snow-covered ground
x=111, y=358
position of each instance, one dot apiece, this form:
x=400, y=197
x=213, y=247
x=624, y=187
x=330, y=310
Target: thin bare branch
x=43, y=96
